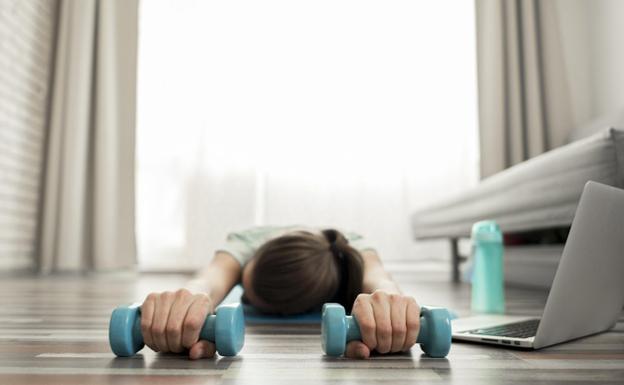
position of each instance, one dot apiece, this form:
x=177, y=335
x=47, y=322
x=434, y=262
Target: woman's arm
x=375, y=276
x=218, y=278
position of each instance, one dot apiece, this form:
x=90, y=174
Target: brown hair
x=300, y=271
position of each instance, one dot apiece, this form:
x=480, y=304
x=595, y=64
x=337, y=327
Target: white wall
x=26, y=30
x=593, y=41
x=606, y=43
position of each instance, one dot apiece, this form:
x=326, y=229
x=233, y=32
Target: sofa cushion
x=541, y=192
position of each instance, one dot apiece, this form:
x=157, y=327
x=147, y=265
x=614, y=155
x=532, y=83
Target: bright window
x=350, y=113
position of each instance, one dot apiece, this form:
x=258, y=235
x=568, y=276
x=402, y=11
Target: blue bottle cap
x=486, y=231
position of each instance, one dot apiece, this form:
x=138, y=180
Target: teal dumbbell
x=337, y=329
x=226, y=329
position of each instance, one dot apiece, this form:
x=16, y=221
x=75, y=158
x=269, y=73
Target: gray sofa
x=540, y=193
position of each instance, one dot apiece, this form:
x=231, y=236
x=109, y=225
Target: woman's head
x=299, y=271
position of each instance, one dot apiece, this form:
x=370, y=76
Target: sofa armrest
x=541, y=192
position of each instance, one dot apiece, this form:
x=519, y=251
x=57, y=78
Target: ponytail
x=350, y=266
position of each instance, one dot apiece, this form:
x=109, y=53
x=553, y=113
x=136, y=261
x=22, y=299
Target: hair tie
x=335, y=250
x=332, y=237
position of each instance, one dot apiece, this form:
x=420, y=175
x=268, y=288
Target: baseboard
x=16, y=263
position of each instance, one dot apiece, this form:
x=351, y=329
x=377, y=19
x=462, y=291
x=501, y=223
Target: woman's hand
x=388, y=323
x=171, y=322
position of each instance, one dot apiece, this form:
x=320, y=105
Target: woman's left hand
x=389, y=323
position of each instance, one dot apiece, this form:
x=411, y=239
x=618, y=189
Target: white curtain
x=87, y=211
x=323, y=113
x=525, y=104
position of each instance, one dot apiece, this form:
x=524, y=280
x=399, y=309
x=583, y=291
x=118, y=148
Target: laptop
x=587, y=293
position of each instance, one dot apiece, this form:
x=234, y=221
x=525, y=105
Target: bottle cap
x=486, y=231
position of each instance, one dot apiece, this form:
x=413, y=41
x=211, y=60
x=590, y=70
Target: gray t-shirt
x=242, y=245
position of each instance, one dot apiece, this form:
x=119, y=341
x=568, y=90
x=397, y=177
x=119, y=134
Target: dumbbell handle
x=207, y=331
x=126, y=337
x=337, y=329
x=354, y=334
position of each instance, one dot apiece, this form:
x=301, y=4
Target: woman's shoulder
x=261, y=232
x=266, y=232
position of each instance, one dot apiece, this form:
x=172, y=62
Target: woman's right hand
x=171, y=322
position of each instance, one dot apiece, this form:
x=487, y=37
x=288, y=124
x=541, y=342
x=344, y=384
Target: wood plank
x=53, y=330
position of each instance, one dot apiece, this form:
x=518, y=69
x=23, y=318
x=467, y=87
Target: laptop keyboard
x=524, y=329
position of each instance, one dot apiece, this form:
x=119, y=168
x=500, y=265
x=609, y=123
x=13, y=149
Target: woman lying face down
x=287, y=270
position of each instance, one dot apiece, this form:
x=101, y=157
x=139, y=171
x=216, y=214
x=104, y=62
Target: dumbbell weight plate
x=333, y=329
x=121, y=336
x=229, y=329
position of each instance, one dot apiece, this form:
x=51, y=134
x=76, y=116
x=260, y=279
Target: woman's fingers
x=159, y=323
x=363, y=313
x=381, y=310
x=181, y=303
x=194, y=320
x=389, y=322
x=147, y=315
x=358, y=350
x=398, y=317
x=171, y=322
x=202, y=349
x=413, y=324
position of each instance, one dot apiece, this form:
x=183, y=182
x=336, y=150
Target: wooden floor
x=53, y=330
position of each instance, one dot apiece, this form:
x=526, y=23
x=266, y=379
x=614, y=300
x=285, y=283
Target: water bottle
x=488, y=295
